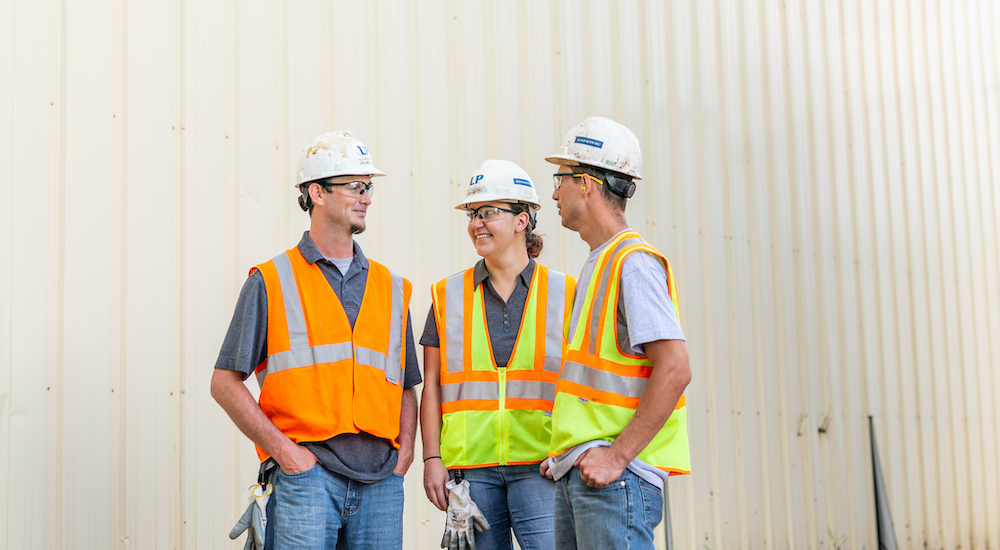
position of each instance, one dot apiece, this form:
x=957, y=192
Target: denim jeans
x=620, y=515
x=512, y=497
x=313, y=506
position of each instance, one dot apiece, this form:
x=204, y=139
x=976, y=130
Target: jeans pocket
x=616, y=485
x=396, y=476
x=652, y=503
x=303, y=473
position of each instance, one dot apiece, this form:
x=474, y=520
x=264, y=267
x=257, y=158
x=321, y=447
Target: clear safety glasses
x=557, y=179
x=486, y=213
x=354, y=189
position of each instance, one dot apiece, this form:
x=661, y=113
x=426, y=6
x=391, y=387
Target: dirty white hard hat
x=335, y=154
x=500, y=180
x=602, y=143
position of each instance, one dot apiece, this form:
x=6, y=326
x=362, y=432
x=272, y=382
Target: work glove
x=463, y=516
x=254, y=520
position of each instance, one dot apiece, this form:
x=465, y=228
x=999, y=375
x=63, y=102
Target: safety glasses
x=353, y=188
x=486, y=213
x=557, y=179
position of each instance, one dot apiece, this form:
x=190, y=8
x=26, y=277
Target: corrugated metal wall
x=825, y=177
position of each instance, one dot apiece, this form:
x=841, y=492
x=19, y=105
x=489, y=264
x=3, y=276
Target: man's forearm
x=229, y=391
x=407, y=429
x=671, y=375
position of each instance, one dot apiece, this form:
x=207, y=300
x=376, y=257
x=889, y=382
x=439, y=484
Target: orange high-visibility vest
x=320, y=378
x=600, y=385
x=498, y=416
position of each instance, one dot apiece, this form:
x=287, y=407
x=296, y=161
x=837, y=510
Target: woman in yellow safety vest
x=493, y=347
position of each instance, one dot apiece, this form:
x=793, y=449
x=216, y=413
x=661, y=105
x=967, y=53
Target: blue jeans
x=312, y=507
x=620, y=515
x=515, y=497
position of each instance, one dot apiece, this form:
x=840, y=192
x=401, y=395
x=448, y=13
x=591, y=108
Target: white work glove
x=463, y=516
x=254, y=520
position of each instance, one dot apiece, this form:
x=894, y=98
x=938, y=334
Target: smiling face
x=502, y=231
x=341, y=208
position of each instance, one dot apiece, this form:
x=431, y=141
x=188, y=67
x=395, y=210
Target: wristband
x=430, y=457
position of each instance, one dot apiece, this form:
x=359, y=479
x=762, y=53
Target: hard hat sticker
x=363, y=149
x=518, y=181
x=475, y=179
x=590, y=142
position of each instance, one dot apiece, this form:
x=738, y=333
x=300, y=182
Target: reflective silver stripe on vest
x=621, y=329
x=531, y=389
x=298, y=338
x=470, y=390
x=316, y=355
x=602, y=289
x=555, y=312
x=393, y=362
x=628, y=386
x=370, y=358
x=454, y=291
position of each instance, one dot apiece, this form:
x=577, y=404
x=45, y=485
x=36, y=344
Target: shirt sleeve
x=411, y=376
x=430, y=336
x=649, y=311
x=245, y=345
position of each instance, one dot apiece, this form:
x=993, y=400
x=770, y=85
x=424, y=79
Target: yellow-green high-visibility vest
x=601, y=384
x=499, y=416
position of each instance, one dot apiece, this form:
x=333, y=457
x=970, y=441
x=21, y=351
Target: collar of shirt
x=480, y=274
x=312, y=254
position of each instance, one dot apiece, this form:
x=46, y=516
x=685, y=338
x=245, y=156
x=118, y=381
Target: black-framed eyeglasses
x=353, y=188
x=557, y=179
x=486, y=213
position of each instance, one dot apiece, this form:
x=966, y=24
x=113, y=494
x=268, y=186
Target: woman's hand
x=435, y=477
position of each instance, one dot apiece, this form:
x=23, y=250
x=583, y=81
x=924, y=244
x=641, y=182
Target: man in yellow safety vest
x=619, y=424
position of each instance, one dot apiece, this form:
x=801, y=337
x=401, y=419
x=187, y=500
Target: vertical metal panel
x=822, y=175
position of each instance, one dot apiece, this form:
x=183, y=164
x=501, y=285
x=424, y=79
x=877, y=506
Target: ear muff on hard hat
x=501, y=180
x=623, y=187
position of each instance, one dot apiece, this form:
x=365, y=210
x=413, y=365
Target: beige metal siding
x=824, y=176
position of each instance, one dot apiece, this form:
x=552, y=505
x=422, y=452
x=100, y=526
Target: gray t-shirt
x=646, y=310
x=361, y=456
x=503, y=319
x=343, y=264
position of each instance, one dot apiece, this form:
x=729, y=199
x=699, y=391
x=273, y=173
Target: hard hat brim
x=373, y=173
x=573, y=161
x=497, y=198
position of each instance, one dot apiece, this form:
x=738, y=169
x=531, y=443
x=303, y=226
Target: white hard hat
x=335, y=154
x=500, y=180
x=602, y=143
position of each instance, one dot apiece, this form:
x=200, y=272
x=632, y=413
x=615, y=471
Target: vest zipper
x=502, y=373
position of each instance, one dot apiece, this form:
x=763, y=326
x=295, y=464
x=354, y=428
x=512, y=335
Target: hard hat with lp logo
x=500, y=180
x=332, y=154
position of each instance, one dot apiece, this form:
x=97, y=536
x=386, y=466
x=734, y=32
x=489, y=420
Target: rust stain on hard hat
x=337, y=142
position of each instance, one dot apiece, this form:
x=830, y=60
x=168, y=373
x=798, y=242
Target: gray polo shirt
x=362, y=456
x=503, y=319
